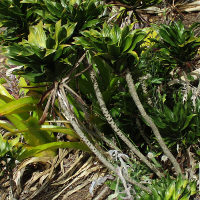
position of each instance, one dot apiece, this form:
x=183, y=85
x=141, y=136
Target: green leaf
x=17, y=121
x=170, y=191
x=90, y=23
x=82, y=41
x=5, y=92
x=34, y=151
x=4, y=100
x=155, y=194
x=7, y=126
x=59, y=129
x=70, y=29
x=166, y=37
x=169, y=114
x=4, y=146
x=193, y=188
x=35, y=136
x=188, y=120
x=54, y=8
x=127, y=43
x=185, y=197
x=37, y=35
x=57, y=31
x=134, y=54
x=115, y=34
x=22, y=83
x=139, y=37
x=16, y=105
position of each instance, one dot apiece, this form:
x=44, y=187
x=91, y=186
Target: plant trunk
x=115, y=127
x=63, y=101
x=148, y=119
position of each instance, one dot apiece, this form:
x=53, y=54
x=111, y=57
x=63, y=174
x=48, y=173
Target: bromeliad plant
x=15, y=19
x=17, y=16
x=180, y=123
x=87, y=13
x=179, y=43
x=170, y=189
x=120, y=50
x=44, y=57
x=116, y=45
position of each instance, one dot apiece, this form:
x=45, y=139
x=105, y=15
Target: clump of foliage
x=179, y=43
x=166, y=189
x=23, y=117
x=9, y=153
x=180, y=123
x=90, y=71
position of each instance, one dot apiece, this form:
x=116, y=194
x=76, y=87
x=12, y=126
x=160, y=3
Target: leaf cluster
x=171, y=189
x=178, y=42
x=23, y=122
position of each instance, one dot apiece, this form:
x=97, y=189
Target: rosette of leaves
x=85, y=13
x=45, y=56
x=171, y=189
x=15, y=19
x=178, y=121
x=114, y=44
x=178, y=42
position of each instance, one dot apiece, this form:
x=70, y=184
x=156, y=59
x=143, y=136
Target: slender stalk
x=107, y=141
x=186, y=82
x=63, y=101
x=45, y=112
x=142, y=134
x=11, y=185
x=76, y=127
x=75, y=67
x=115, y=127
x=148, y=119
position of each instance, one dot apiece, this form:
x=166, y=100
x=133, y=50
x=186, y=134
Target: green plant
x=44, y=57
x=17, y=16
x=116, y=45
x=179, y=43
x=15, y=19
x=85, y=13
x=170, y=189
x=23, y=121
x=9, y=153
x=122, y=54
x=178, y=120
x=87, y=71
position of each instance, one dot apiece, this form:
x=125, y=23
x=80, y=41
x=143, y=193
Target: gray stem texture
x=148, y=119
x=115, y=127
x=63, y=101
